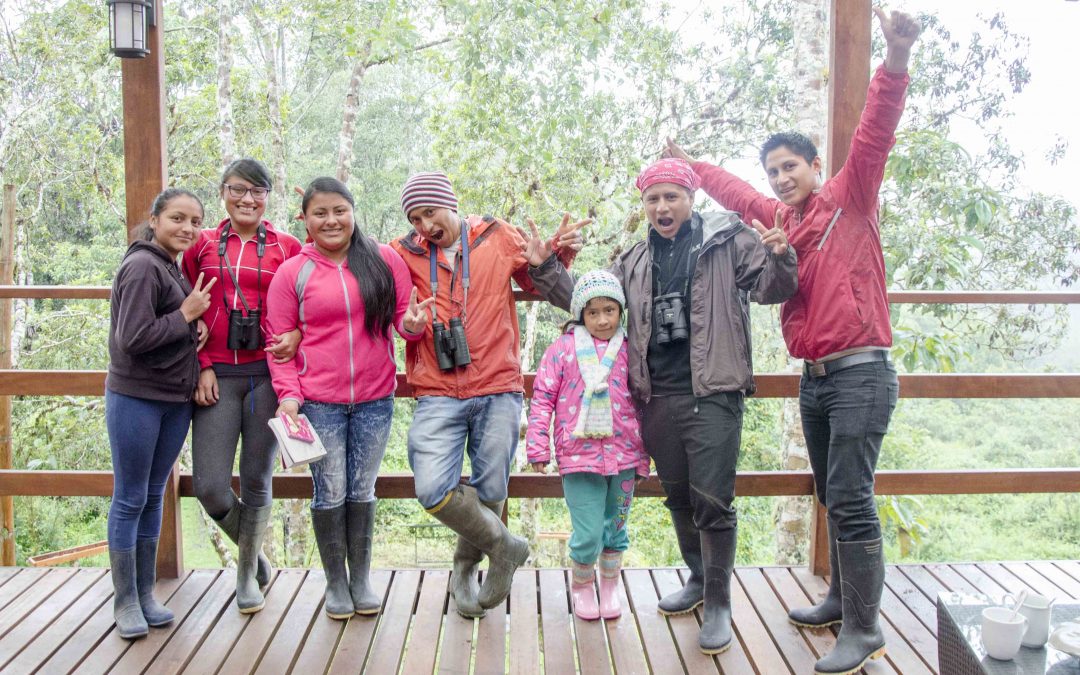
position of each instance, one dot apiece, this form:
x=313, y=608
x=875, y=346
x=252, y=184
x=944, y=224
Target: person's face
x=667, y=206
x=601, y=316
x=436, y=224
x=329, y=220
x=176, y=227
x=246, y=209
x=791, y=177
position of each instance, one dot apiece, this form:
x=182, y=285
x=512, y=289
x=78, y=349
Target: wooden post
x=7, y=274
x=145, y=175
x=849, y=76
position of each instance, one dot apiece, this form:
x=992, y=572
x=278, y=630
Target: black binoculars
x=669, y=319
x=245, y=332
x=451, y=348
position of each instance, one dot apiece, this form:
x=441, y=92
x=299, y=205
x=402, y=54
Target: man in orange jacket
x=466, y=376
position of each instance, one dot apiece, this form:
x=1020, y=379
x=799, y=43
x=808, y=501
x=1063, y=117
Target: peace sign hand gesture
x=536, y=249
x=198, y=301
x=773, y=238
x=416, y=317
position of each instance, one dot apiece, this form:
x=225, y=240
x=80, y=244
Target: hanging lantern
x=129, y=22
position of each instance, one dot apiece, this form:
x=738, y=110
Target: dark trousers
x=844, y=417
x=145, y=437
x=695, y=444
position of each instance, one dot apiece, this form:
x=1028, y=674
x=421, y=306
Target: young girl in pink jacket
x=345, y=293
x=598, y=447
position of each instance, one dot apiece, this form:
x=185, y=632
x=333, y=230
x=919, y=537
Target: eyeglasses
x=238, y=191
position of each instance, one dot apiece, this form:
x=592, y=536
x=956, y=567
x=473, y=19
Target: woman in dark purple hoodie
x=153, y=369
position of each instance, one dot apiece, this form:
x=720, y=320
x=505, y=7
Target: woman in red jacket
x=234, y=395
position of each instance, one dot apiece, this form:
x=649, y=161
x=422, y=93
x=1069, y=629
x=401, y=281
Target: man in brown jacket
x=688, y=287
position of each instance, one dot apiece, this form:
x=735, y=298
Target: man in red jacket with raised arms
x=838, y=323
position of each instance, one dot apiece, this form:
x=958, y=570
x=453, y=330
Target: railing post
x=819, y=540
x=7, y=273
x=170, y=557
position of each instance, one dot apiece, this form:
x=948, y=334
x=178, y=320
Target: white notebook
x=296, y=452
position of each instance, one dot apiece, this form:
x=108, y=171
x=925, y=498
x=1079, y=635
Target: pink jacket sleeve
x=545, y=396
x=403, y=286
x=189, y=264
x=283, y=315
x=858, y=181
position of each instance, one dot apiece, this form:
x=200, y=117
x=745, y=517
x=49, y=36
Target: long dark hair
x=365, y=262
x=146, y=233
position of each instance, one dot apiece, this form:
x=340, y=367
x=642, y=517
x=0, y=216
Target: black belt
x=826, y=368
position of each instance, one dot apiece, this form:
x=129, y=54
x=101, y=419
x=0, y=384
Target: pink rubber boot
x=610, y=564
x=583, y=593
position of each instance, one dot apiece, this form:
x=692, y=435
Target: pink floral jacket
x=558, y=388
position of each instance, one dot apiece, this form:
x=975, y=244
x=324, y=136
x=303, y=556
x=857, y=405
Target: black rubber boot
x=329, y=526
x=463, y=513
x=464, y=585
x=155, y=613
x=718, y=558
x=130, y=622
x=253, y=520
x=830, y=609
x=360, y=517
x=862, y=576
x=691, y=595
x=230, y=525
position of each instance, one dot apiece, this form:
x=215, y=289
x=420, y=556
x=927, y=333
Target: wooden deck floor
x=60, y=620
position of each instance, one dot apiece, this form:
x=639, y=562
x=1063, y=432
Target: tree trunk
x=348, y=117
x=277, y=210
x=811, y=42
x=226, y=130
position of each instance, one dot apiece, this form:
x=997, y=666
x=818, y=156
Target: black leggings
x=243, y=408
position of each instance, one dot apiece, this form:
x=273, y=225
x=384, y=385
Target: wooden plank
x=427, y=623
x=819, y=540
x=386, y=649
x=48, y=642
x=491, y=636
x=1006, y=579
x=684, y=628
x=261, y=628
x=660, y=650
x=142, y=653
x=33, y=596
x=198, y=625
x=208, y=658
x=1070, y=567
x=57, y=292
x=96, y=637
x=1033, y=579
x=5, y=574
x=555, y=621
x=1070, y=586
x=790, y=594
x=952, y=579
x=455, y=652
x=794, y=648
x=18, y=584
x=920, y=603
x=736, y=659
x=922, y=641
x=758, y=644
x=41, y=619
x=54, y=558
x=295, y=626
x=524, y=623
x=626, y=648
x=849, y=52
x=975, y=576
x=324, y=635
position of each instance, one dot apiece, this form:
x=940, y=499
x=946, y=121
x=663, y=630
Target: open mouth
x=435, y=235
x=665, y=222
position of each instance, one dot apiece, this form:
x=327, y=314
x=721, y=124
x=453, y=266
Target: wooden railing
x=758, y=484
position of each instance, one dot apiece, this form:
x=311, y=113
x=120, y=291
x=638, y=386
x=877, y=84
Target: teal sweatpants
x=599, y=506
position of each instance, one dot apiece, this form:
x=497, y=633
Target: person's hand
x=283, y=347
x=568, y=235
x=538, y=467
x=536, y=249
x=206, y=392
x=292, y=410
x=300, y=191
x=416, y=316
x=204, y=334
x=198, y=301
x=774, y=238
x=900, y=31
x=676, y=152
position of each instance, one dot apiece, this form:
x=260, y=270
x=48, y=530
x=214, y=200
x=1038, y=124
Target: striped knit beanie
x=428, y=188
x=595, y=284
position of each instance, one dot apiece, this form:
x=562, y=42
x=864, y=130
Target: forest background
x=534, y=107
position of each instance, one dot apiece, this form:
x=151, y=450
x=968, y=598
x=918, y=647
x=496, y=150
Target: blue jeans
x=145, y=437
x=354, y=435
x=485, y=427
x=844, y=417
x=599, y=506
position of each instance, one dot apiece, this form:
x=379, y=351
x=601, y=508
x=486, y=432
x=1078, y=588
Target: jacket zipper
x=348, y=316
x=828, y=230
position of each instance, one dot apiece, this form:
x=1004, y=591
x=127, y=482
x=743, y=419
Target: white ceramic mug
x=1037, y=609
x=1001, y=635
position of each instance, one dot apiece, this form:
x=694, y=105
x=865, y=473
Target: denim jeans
x=844, y=417
x=145, y=437
x=695, y=444
x=354, y=435
x=485, y=427
x=599, y=506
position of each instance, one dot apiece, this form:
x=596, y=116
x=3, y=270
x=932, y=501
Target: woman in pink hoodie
x=344, y=292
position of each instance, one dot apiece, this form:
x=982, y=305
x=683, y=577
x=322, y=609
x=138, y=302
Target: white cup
x=1037, y=609
x=1001, y=635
